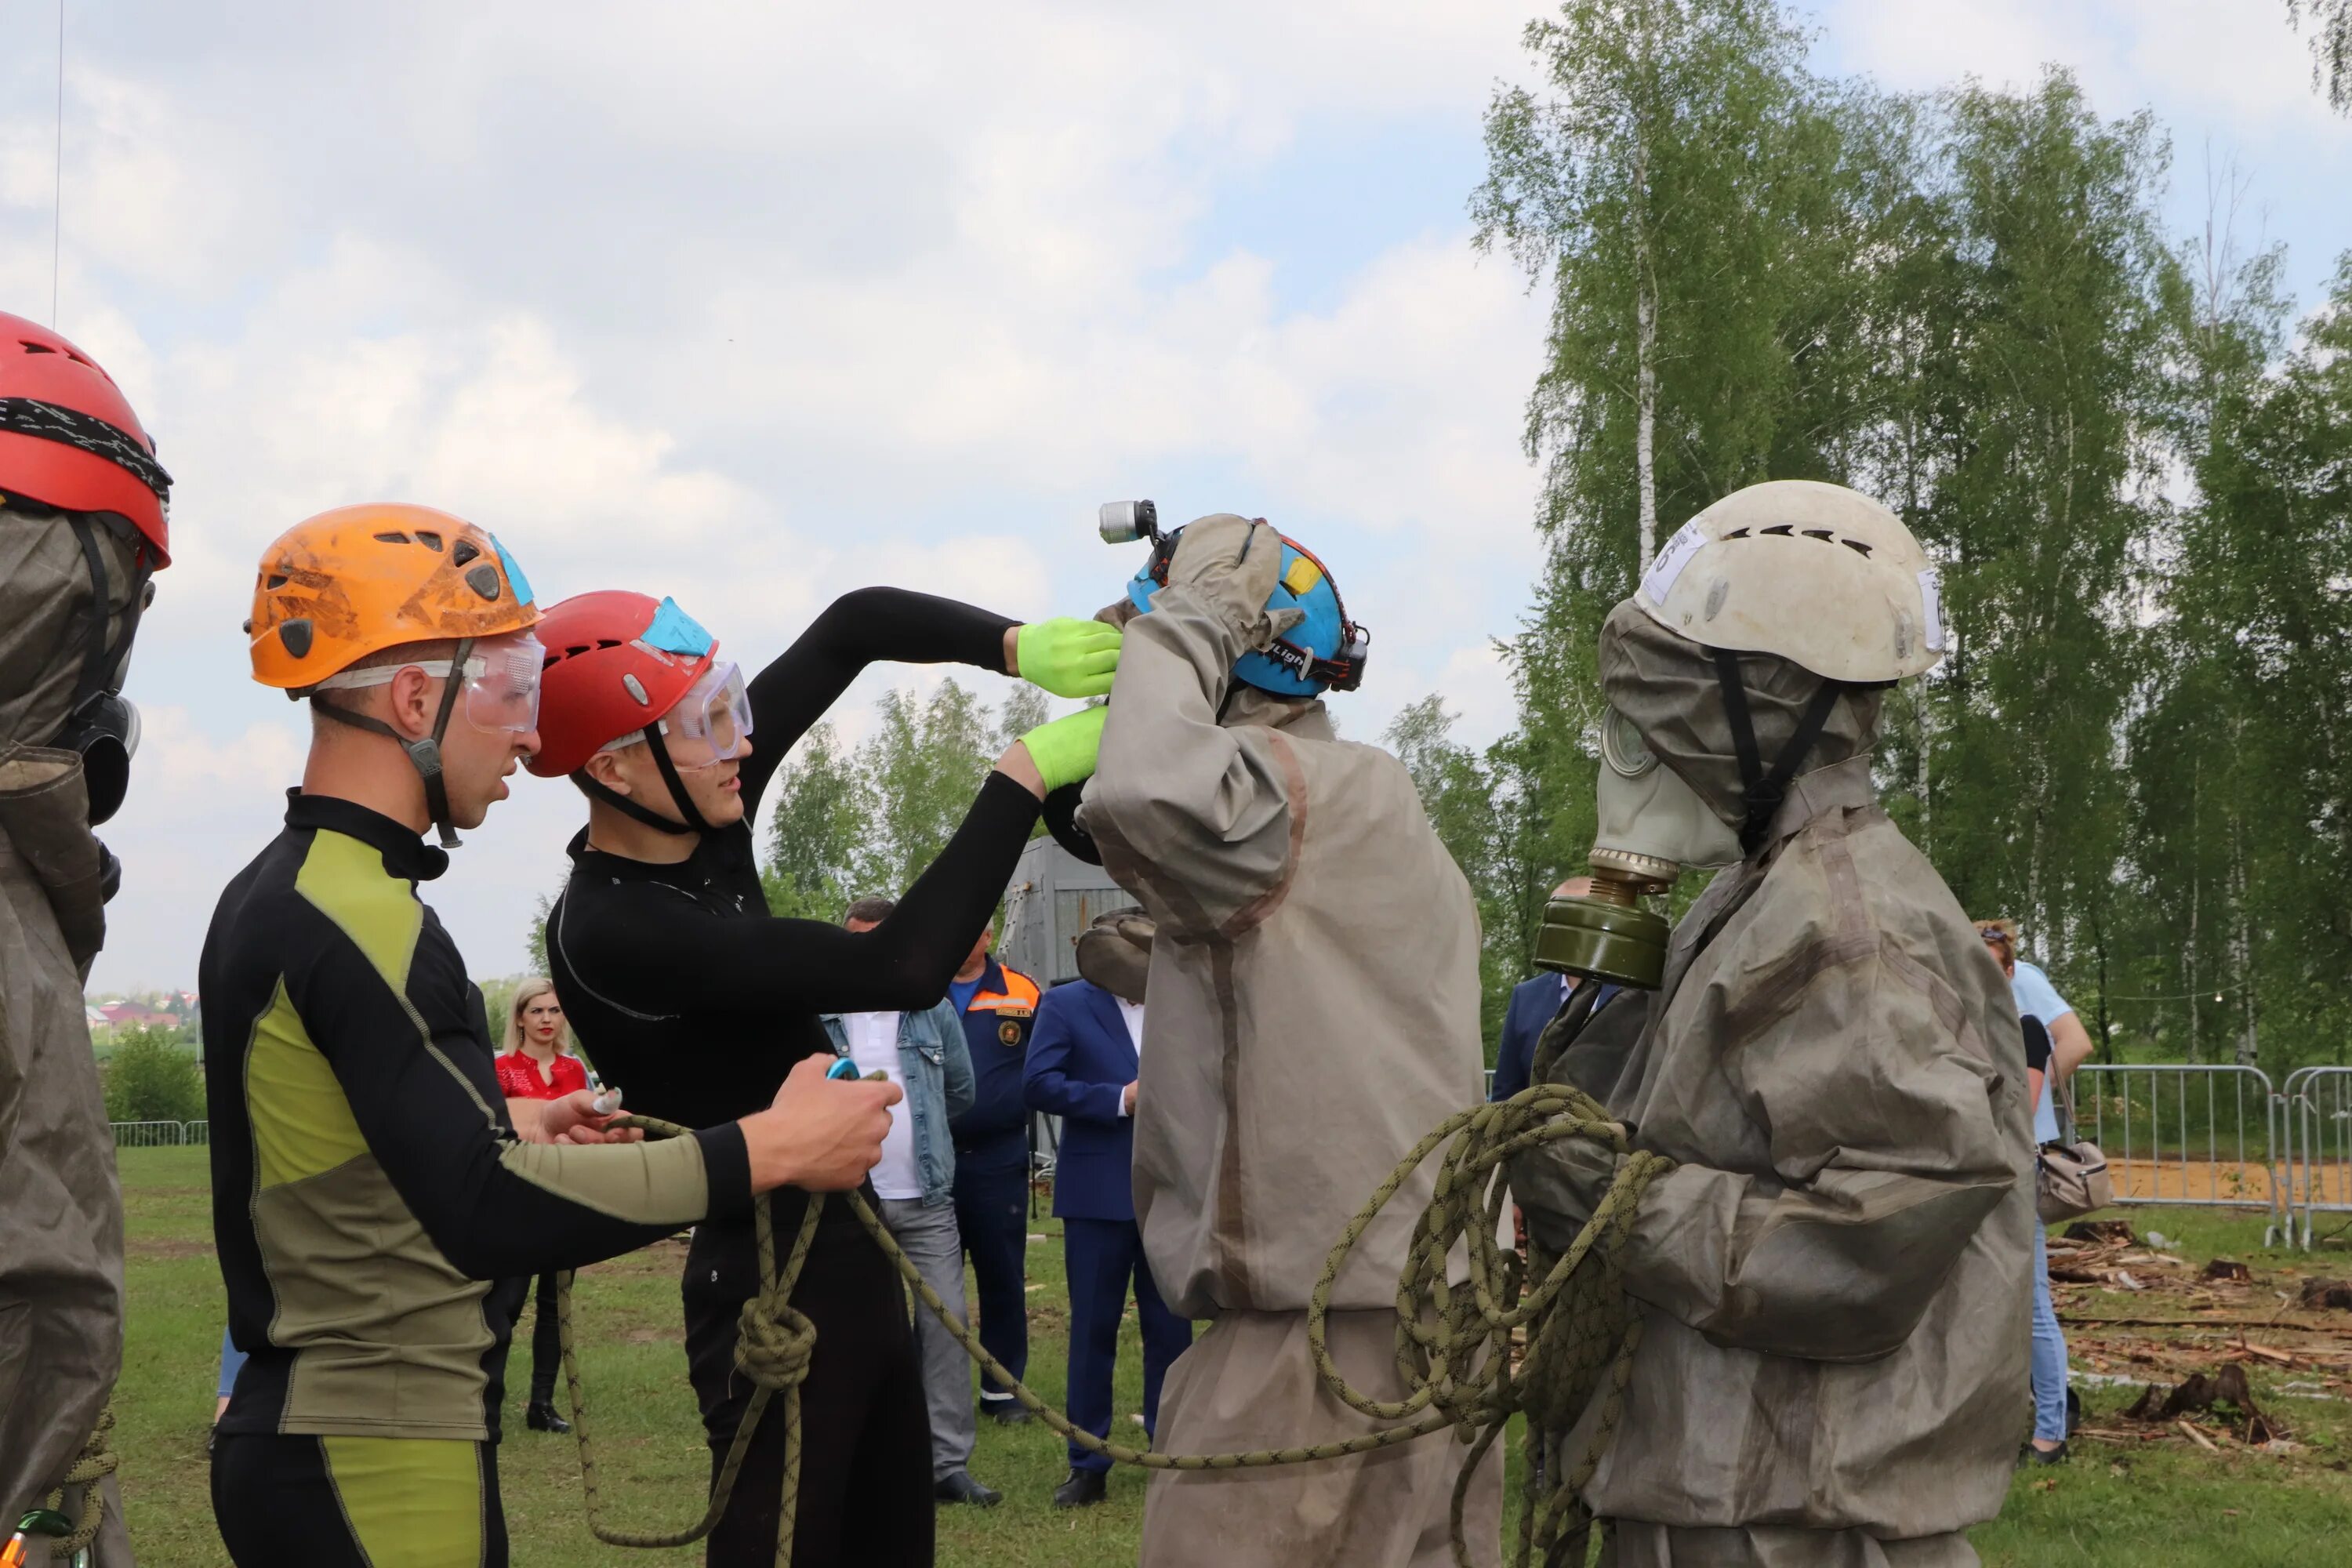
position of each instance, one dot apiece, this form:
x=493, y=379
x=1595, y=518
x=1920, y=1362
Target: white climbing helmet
x=1818, y=575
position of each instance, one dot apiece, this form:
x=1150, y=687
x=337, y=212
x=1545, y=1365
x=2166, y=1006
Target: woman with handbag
x=2049, y=1358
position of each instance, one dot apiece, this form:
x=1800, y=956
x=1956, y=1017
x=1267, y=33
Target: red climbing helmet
x=67, y=438
x=617, y=663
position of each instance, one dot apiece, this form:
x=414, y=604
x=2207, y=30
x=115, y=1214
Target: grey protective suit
x=1314, y=988
x=61, y=1208
x=1834, y=1281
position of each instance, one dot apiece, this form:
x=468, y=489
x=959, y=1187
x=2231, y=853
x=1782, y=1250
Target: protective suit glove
x=1064, y=750
x=1233, y=564
x=1069, y=658
x=1559, y=1185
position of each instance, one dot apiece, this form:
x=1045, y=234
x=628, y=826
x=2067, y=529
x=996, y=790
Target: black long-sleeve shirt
x=683, y=990
x=367, y=1186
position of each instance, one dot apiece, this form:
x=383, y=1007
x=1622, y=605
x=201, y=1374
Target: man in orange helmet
x=82, y=530
x=368, y=1184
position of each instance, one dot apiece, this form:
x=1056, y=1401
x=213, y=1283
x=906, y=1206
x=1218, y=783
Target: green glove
x=1064, y=749
x=1066, y=656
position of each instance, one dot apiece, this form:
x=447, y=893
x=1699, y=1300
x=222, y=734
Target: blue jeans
x=232, y=1358
x=2049, y=1351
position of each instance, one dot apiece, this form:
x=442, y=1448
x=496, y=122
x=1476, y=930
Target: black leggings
x=347, y=1502
x=546, y=1344
x=865, y=1437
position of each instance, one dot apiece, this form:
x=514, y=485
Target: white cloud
x=2241, y=61
x=754, y=304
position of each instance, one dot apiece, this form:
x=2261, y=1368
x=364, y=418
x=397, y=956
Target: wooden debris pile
x=2223, y=1398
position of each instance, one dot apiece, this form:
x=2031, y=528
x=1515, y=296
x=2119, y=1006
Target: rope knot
x=774, y=1345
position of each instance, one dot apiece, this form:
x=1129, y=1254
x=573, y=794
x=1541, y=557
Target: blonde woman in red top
x=537, y=1065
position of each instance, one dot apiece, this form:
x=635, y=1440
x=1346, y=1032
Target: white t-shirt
x=1132, y=1012
x=874, y=1047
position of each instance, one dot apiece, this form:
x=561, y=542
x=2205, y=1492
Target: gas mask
x=1652, y=825
x=102, y=726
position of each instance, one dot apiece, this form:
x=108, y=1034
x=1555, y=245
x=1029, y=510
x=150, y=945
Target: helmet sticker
x=1668, y=563
x=672, y=630
x=515, y=579
x=1931, y=599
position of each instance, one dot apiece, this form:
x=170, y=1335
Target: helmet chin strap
x=693, y=821
x=425, y=754
x=1763, y=791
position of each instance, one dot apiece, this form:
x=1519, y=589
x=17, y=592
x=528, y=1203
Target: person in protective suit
x=82, y=529
x=1832, y=1281
x=1314, y=986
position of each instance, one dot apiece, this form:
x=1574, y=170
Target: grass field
x=2148, y=1505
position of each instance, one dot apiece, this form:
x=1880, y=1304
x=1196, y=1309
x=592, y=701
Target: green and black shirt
x=367, y=1183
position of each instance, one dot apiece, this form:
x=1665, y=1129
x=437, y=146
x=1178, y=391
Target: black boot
x=541, y=1418
x=1084, y=1488
x=957, y=1486
x=1007, y=1412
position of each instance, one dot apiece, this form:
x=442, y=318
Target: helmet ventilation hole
x=391, y=538
x=295, y=635
x=484, y=580
x=276, y=580
x=635, y=688
x=430, y=540
x=465, y=550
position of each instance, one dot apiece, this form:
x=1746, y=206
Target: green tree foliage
x=1965, y=304
x=2047, y=447
x=2331, y=47
x=846, y=823
x=816, y=835
x=153, y=1075
x=2245, y=829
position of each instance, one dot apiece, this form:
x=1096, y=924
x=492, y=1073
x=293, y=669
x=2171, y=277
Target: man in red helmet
x=81, y=530
x=686, y=993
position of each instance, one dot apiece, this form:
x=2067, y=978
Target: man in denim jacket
x=924, y=1054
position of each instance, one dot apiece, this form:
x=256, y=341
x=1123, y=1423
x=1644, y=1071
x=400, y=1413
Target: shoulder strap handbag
x=2070, y=1174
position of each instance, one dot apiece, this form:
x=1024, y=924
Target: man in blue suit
x=1534, y=1004
x=1082, y=1067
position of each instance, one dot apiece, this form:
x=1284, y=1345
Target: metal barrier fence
x=2220, y=1137
x=2182, y=1134
x=2315, y=1108
x=162, y=1134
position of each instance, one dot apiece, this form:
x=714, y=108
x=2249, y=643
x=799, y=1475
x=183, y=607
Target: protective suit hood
x=1668, y=686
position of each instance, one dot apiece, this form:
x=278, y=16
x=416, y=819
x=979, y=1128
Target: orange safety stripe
x=1020, y=991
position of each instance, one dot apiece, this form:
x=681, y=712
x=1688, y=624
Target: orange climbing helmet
x=360, y=579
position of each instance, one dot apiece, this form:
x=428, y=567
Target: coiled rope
x=96, y=1461
x=1453, y=1339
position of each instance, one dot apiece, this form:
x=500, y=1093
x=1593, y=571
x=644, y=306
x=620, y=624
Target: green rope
x=96, y=1461
x=1454, y=1341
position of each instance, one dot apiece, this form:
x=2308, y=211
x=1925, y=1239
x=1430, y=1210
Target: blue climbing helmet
x=1324, y=652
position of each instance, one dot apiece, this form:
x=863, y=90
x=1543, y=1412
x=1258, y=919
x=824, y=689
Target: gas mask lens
x=502, y=685
x=710, y=722
x=1622, y=746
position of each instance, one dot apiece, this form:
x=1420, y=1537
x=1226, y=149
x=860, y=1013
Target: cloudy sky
x=757, y=303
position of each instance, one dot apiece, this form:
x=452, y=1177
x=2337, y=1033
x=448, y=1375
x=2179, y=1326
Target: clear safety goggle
x=502, y=683
x=708, y=725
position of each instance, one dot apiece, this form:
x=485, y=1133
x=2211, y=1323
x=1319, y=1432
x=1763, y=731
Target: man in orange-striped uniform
x=991, y=1182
